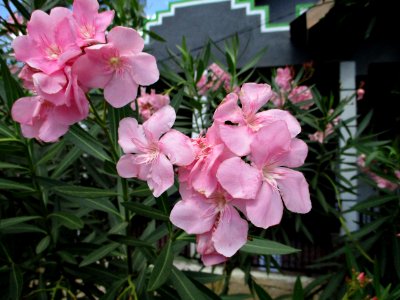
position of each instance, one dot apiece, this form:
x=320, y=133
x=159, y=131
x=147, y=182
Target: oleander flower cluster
x=289, y=90
x=242, y=164
x=213, y=78
x=66, y=53
x=149, y=103
x=381, y=182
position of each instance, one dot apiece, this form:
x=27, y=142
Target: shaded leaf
x=98, y=254
x=266, y=247
x=162, y=267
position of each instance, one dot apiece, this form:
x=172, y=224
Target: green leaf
x=374, y=202
x=100, y=204
x=22, y=228
x=98, y=254
x=369, y=228
x=177, y=100
x=69, y=159
x=185, y=288
x=87, y=143
x=21, y=9
x=4, y=223
x=43, y=244
x=261, y=293
x=7, y=132
x=266, y=247
x=128, y=240
x=147, y=211
x=83, y=191
x=68, y=220
x=204, y=277
x=16, y=282
x=162, y=268
x=298, y=292
x=11, y=87
x=6, y=184
x=4, y=165
x=51, y=152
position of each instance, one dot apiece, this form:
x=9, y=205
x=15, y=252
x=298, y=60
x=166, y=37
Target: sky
x=152, y=6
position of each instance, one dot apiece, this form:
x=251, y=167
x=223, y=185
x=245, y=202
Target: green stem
x=129, y=250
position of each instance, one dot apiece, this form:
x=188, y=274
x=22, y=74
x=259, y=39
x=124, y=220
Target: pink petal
x=31, y=131
x=144, y=68
x=120, y=90
x=270, y=144
x=177, y=147
x=91, y=73
x=253, y=96
x=159, y=123
x=294, y=190
x=85, y=9
x=49, y=84
x=237, y=138
x=25, y=48
x=238, y=178
x=126, y=40
x=129, y=134
x=213, y=259
x=41, y=26
x=231, y=232
x=103, y=20
x=266, y=209
x=193, y=215
x=229, y=110
x=272, y=115
x=51, y=130
x=161, y=176
x=25, y=109
x=296, y=155
x=126, y=166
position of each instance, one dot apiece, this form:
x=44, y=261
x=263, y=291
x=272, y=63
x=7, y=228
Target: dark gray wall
x=218, y=22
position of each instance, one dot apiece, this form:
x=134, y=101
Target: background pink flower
x=150, y=103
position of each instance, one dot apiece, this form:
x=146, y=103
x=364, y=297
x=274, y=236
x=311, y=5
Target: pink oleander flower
x=383, y=183
x=150, y=103
x=284, y=78
x=152, y=148
x=269, y=179
x=320, y=136
x=215, y=216
x=246, y=121
x=89, y=24
x=50, y=42
x=26, y=75
x=205, y=247
x=119, y=66
x=300, y=94
x=59, y=104
x=278, y=99
x=210, y=152
x=213, y=78
x=360, y=94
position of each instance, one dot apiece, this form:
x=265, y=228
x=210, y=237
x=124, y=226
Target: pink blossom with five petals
x=152, y=148
x=119, y=66
x=269, y=179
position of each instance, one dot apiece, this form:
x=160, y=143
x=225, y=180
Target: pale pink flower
x=381, y=182
x=300, y=94
x=215, y=215
x=360, y=94
x=317, y=136
x=213, y=78
x=210, y=152
x=268, y=180
x=119, y=66
x=278, y=99
x=90, y=25
x=397, y=173
x=320, y=136
x=361, y=160
x=150, y=103
x=152, y=148
x=246, y=120
x=26, y=76
x=59, y=104
x=50, y=42
x=284, y=78
x=205, y=247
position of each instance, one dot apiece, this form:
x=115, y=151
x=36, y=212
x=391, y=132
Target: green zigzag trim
x=265, y=8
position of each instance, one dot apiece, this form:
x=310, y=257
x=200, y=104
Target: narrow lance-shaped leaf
x=4, y=223
x=68, y=220
x=185, y=288
x=147, y=211
x=83, y=191
x=162, y=267
x=266, y=247
x=98, y=254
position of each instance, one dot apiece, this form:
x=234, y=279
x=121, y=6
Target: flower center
x=115, y=62
x=86, y=31
x=253, y=122
x=270, y=176
x=53, y=52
